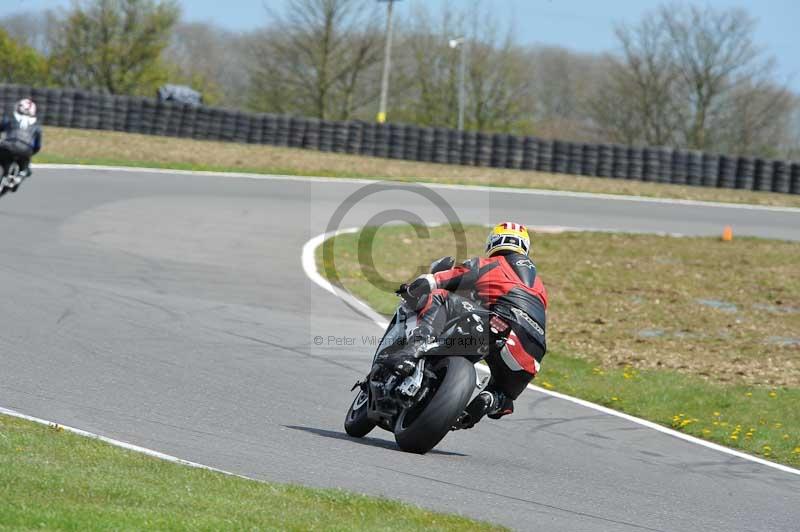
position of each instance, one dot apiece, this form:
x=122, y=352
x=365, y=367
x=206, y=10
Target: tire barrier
x=71, y=108
x=605, y=161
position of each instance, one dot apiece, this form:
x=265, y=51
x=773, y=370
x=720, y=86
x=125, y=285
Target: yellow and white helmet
x=508, y=236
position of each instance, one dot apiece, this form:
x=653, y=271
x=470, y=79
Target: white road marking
x=121, y=444
x=477, y=188
x=310, y=268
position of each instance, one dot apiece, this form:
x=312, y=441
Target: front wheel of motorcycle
x=419, y=429
x=356, y=423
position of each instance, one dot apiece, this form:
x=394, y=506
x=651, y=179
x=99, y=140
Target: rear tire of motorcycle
x=356, y=423
x=441, y=412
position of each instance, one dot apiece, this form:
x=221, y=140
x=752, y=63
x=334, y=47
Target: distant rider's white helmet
x=26, y=107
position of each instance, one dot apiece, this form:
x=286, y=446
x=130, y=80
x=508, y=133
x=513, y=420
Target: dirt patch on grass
x=724, y=311
x=107, y=147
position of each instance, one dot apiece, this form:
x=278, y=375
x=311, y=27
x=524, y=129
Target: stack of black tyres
x=678, y=167
x=297, y=131
x=382, y=140
x=228, y=130
x=133, y=115
x=396, y=140
x=574, y=157
x=312, y=139
x=162, y=115
x=454, y=144
x=326, y=130
x=794, y=174
x=354, y=129
x=242, y=127
x=664, y=165
x=469, y=148
x=483, y=150
x=652, y=164
x=79, y=110
x=106, y=112
x=499, y=150
x=281, y=137
x=605, y=160
x=589, y=159
x=149, y=116
x=619, y=168
x=727, y=172
x=762, y=180
x=367, y=138
x=203, y=121
x=514, y=159
x=530, y=153
x=256, y=129
x=710, y=170
x=411, y=144
x=544, y=161
x=694, y=168
x=120, y=115
x=185, y=121
x=780, y=177
x=340, y=137
x=745, y=169
x=560, y=153
x=440, y=145
x=425, y=153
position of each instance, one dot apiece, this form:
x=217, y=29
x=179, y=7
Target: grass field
x=51, y=479
x=694, y=333
x=113, y=148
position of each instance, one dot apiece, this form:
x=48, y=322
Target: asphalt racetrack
x=171, y=311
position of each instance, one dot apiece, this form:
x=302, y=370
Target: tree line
x=682, y=76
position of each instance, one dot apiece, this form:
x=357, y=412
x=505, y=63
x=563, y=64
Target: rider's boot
x=403, y=361
x=492, y=403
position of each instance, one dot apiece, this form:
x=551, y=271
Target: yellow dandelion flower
x=785, y=436
x=773, y=394
x=547, y=385
x=717, y=414
x=778, y=425
x=615, y=398
x=796, y=450
x=734, y=437
x=749, y=394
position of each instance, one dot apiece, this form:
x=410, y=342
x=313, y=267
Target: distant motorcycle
x=11, y=178
x=422, y=408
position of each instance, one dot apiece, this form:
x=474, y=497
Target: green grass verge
x=128, y=149
x=52, y=479
x=628, y=329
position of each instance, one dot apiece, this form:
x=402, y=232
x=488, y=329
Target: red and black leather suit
x=509, y=286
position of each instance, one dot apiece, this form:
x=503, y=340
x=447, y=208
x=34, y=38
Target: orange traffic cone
x=727, y=234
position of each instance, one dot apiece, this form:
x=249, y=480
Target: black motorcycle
x=422, y=408
x=11, y=177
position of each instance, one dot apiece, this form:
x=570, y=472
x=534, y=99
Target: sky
x=581, y=25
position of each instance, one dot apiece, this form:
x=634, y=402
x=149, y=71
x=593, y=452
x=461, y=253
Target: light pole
x=459, y=43
x=387, y=62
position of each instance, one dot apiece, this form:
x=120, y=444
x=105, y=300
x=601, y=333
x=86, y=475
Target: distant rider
x=506, y=283
x=23, y=137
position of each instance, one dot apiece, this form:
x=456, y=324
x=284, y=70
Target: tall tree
x=693, y=77
x=20, y=63
x=114, y=45
x=314, y=58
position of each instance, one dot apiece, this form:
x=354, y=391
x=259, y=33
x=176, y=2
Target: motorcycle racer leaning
x=505, y=282
x=23, y=136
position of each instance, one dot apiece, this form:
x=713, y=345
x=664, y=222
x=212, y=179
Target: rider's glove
x=416, y=293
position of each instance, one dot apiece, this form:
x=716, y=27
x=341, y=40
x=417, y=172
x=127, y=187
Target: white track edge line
x=476, y=188
x=310, y=269
x=121, y=444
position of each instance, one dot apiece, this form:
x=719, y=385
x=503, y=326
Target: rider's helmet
x=26, y=107
x=508, y=237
